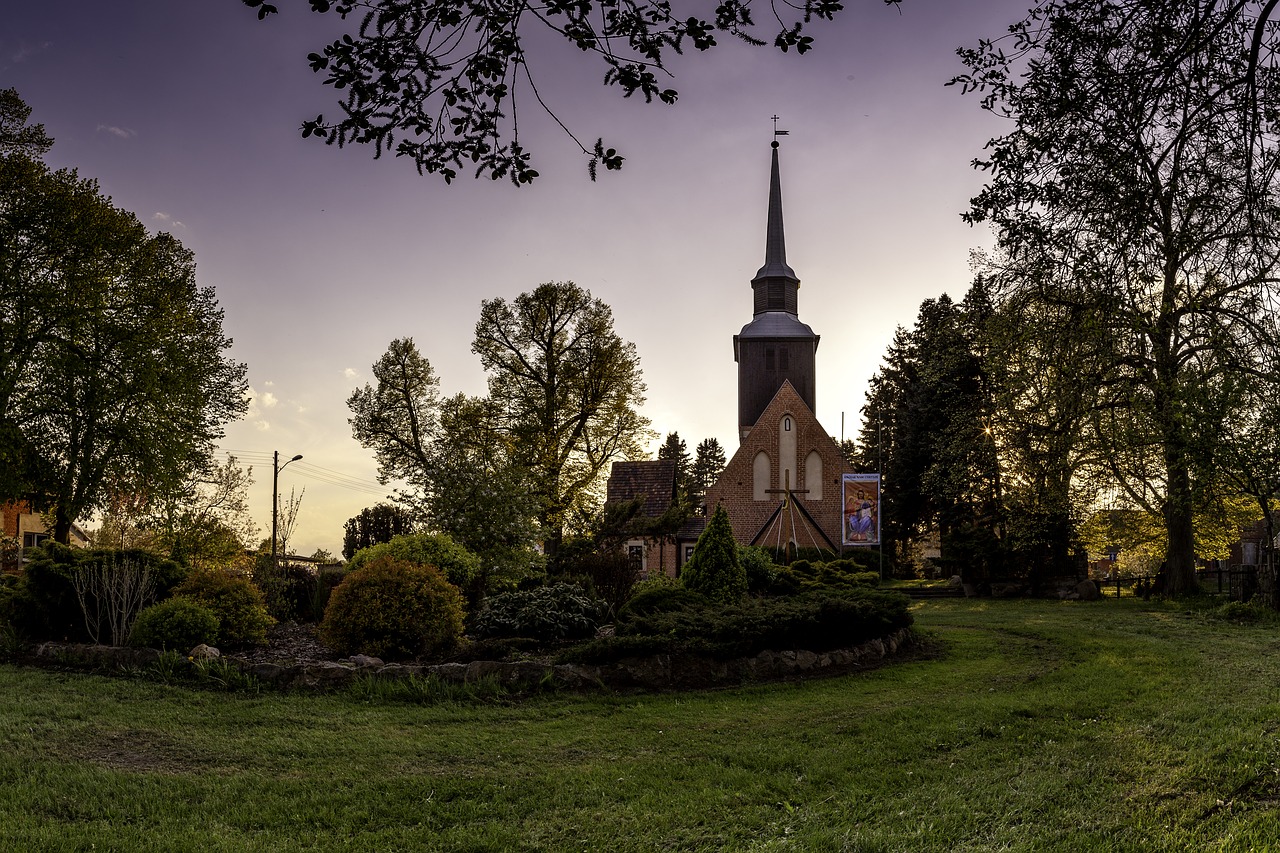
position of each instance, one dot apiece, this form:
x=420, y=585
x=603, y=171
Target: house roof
x=654, y=481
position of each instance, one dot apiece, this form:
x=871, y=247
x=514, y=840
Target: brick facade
x=736, y=489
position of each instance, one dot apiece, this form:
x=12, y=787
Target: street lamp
x=276, y=468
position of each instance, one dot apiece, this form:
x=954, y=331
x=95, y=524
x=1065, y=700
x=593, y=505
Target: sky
x=187, y=113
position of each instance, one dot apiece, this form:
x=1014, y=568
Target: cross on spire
x=776, y=132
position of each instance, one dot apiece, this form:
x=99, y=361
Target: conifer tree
x=715, y=570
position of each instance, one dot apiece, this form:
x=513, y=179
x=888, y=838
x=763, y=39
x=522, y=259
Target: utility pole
x=276, y=468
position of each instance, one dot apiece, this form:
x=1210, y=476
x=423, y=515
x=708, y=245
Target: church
x=783, y=487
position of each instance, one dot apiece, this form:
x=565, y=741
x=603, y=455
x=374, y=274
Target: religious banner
x=861, y=509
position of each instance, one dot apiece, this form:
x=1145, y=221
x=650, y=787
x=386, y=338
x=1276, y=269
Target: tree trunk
x=61, y=527
x=1178, y=574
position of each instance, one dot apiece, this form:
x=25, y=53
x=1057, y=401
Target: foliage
x=715, y=570
x=926, y=425
x=708, y=463
x=179, y=624
x=242, y=614
x=16, y=136
x=558, y=612
x=45, y=604
x=461, y=473
x=817, y=622
x=1139, y=182
x=759, y=567
x=111, y=593
x=460, y=566
x=661, y=598
x=675, y=450
x=113, y=375
x=438, y=83
x=394, y=609
x=374, y=525
x=609, y=573
x=567, y=391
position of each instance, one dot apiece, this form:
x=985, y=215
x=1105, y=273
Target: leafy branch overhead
x=437, y=80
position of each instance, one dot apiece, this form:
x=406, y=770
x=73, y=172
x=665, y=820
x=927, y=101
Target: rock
x=955, y=582
x=366, y=661
x=204, y=652
x=805, y=660
x=1087, y=590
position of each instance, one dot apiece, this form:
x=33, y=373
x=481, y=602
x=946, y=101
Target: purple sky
x=187, y=113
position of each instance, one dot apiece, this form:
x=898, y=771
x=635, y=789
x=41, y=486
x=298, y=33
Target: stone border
x=655, y=672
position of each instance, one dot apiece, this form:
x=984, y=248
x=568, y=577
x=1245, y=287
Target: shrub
x=714, y=569
x=242, y=613
x=178, y=624
x=459, y=566
x=44, y=602
x=559, y=612
x=393, y=609
x=661, y=599
x=759, y=567
x=816, y=622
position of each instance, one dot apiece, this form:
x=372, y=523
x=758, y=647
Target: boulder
x=1087, y=590
x=204, y=652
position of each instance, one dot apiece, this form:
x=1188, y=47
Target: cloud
x=350, y=373
x=269, y=400
x=120, y=132
x=26, y=51
x=262, y=426
x=166, y=219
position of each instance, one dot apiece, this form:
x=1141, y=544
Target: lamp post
x=276, y=468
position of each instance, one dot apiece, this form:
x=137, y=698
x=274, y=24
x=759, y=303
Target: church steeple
x=775, y=285
x=775, y=347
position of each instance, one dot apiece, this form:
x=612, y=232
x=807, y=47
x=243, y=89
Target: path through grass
x=1042, y=726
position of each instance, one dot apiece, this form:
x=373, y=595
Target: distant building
x=653, y=483
x=23, y=529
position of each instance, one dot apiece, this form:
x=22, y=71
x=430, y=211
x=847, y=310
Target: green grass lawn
x=1039, y=726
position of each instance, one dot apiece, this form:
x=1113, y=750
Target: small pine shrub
x=558, y=612
x=714, y=570
x=239, y=605
x=393, y=609
x=176, y=624
x=661, y=599
x=817, y=622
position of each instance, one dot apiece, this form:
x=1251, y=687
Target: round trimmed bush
x=393, y=609
x=242, y=614
x=459, y=566
x=178, y=624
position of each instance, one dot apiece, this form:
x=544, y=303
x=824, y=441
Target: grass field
x=1107, y=726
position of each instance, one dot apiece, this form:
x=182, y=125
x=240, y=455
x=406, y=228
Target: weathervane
x=777, y=133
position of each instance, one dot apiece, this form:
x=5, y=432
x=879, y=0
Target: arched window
x=787, y=478
x=760, y=477
x=813, y=476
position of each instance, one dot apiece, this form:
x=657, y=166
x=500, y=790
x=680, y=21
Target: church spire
x=776, y=283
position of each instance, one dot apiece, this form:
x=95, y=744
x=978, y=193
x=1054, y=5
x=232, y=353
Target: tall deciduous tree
x=397, y=417
x=113, y=376
x=436, y=81
x=1142, y=172
x=567, y=389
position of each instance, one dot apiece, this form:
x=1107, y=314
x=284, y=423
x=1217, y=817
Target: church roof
x=776, y=324
x=775, y=244
x=653, y=481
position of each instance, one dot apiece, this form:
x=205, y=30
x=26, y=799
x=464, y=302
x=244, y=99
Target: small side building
x=653, y=484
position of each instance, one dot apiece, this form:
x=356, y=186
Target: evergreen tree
x=675, y=450
x=707, y=466
x=715, y=570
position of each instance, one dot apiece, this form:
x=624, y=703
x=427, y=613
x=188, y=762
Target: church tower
x=775, y=347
